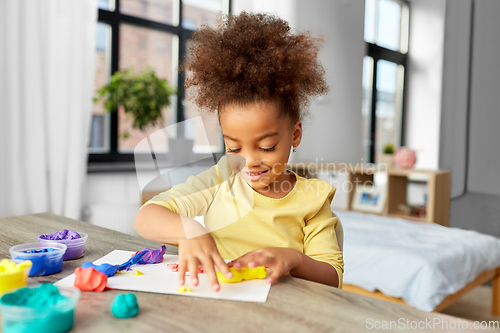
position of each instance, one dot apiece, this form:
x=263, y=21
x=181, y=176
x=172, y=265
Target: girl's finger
x=182, y=271
x=208, y=268
x=193, y=270
x=277, y=272
x=243, y=260
x=261, y=261
x=222, y=266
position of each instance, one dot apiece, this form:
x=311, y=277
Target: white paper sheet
x=158, y=278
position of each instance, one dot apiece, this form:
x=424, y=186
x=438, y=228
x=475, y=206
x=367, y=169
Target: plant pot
x=387, y=160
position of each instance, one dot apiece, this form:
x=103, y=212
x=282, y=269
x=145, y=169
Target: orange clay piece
x=245, y=273
x=90, y=279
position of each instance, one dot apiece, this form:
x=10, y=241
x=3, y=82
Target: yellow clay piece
x=185, y=288
x=135, y=273
x=13, y=275
x=245, y=273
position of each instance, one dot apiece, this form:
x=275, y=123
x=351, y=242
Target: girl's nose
x=253, y=160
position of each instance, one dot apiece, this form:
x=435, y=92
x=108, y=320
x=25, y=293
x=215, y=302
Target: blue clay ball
x=125, y=306
x=107, y=269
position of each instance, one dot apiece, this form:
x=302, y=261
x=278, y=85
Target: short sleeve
x=320, y=240
x=193, y=198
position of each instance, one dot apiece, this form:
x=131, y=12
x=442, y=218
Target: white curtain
x=47, y=56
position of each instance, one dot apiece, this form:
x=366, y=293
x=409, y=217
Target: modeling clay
x=175, y=268
x=107, y=269
x=60, y=235
x=40, y=298
x=245, y=273
x=145, y=256
x=135, y=273
x=74, y=241
x=90, y=279
x=43, y=299
x=13, y=275
x=44, y=261
x=125, y=306
x=185, y=288
x=10, y=267
x=40, y=251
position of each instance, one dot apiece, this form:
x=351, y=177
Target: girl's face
x=264, y=139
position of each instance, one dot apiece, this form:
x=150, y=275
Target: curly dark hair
x=253, y=58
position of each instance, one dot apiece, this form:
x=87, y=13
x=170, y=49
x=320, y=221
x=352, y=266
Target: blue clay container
x=44, y=263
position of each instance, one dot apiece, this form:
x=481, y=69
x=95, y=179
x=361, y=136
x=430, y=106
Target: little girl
x=258, y=77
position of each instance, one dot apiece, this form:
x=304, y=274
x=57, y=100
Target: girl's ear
x=297, y=134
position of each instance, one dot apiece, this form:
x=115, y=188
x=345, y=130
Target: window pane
x=155, y=10
x=366, y=107
x=139, y=48
x=106, y=4
x=388, y=24
x=99, y=134
x=370, y=19
x=389, y=105
x=197, y=12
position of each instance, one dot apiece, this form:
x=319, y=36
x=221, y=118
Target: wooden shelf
x=438, y=194
x=438, y=187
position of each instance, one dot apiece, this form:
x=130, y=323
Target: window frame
x=377, y=53
x=114, y=18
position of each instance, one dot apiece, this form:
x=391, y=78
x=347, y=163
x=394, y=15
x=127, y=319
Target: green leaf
x=142, y=96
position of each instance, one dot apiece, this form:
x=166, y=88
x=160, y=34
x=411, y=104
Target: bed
x=423, y=265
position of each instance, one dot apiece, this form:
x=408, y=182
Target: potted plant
x=387, y=157
x=142, y=96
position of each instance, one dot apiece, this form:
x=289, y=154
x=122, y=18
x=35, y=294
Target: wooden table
x=293, y=305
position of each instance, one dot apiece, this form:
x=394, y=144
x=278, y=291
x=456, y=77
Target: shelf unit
x=438, y=194
x=438, y=188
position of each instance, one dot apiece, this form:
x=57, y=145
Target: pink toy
x=405, y=158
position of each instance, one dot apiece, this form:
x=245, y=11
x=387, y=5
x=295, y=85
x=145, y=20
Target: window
x=136, y=34
x=386, y=36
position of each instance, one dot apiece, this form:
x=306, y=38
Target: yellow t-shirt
x=242, y=220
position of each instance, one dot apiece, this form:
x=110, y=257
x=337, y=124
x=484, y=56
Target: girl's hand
x=280, y=259
x=201, y=251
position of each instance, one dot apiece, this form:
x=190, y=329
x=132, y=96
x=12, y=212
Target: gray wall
x=484, y=119
x=484, y=145
x=455, y=93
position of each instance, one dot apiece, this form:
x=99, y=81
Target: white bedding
x=418, y=262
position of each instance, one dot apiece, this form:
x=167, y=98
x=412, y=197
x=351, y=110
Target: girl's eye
x=268, y=149
x=229, y=150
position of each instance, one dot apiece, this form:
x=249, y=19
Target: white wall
x=484, y=145
x=112, y=200
x=286, y=9
x=334, y=131
x=424, y=85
